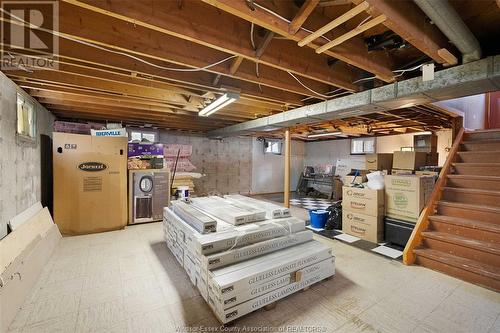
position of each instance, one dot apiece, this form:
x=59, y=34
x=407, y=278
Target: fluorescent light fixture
x=317, y=135
x=219, y=103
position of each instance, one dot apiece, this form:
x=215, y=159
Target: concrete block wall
x=226, y=164
x=19, y=162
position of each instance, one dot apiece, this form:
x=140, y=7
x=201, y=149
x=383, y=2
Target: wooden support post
x=286, y=189
x=457, y=124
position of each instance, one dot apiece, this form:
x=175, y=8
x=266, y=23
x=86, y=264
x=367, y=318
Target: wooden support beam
x=335, y=23
x=353, y=52
x=286, y=189
x=235, y=65
x=302, y=15
x=354, y=32
x=407, y=20
x=213, y=29
x=264, y=44
x=329, y=3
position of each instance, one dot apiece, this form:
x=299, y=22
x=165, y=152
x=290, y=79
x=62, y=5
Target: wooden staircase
x=458, y=233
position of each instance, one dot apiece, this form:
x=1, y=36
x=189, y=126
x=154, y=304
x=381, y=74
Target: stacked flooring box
x=241, y=268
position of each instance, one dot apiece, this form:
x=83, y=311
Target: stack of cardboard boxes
x=363, y=208
x=400, y=202
x=241, y=268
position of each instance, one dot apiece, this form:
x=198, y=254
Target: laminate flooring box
x=90, y=183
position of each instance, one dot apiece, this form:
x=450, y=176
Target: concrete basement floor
x=127, y=281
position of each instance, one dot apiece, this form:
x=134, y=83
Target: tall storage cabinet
x=90, y=183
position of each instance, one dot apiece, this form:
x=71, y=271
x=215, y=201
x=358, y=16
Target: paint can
x=183, y=192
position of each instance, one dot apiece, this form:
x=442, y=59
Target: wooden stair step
x=487, y=156
x=474, y=181
x=463, y=241
x=487, y=134
x=472, y=196
x=483, y=213
x=466, y=223
x=462, y=268
x=483, y=169
x=480, y=145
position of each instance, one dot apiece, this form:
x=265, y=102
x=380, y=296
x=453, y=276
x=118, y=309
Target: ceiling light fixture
x=317, y=135
x=219, y=103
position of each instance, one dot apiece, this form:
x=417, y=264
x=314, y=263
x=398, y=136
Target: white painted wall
x=472, y=108
x=268, y=169
x=327, y=152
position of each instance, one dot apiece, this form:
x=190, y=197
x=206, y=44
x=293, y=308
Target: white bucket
x=183, y=192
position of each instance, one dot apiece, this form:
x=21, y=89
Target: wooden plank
x=216, y=30
x=423, y=220
x=353, y=52
x=24, y=216
x=264, y=44
x=235, y=65
x=356, y=31
x=14, y=243
x=23, y=274
x=407, y=20
x=302, y=15
x=335, y=23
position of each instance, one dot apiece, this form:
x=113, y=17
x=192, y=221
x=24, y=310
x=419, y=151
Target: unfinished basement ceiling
x=160, y=62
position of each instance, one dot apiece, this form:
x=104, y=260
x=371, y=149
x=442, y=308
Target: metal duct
x=444, y=16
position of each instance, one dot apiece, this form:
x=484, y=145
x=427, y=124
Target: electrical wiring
x=58, y=34
x=251, y=36
x=303, y=85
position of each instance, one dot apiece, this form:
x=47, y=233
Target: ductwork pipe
x=444, y=16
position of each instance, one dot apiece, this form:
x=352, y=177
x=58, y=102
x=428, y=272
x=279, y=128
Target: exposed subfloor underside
x=127, y=281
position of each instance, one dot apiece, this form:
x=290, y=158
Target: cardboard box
x=110, y=132
x=145, y=150
x=378, y=161
x=401, y=172
x=250, y=251
x=227, y=300
x=258, y=302
x=406, y=196
x=363, y=200
x=90, y=183
x=409, y=160
x=426, y=173
x=370, y=228
x=355, y=180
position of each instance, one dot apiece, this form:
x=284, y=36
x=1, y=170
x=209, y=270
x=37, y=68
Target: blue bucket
x=318, y=218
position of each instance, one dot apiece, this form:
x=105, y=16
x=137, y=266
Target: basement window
x=361, y=146
x=273, y=147
x=26, y=120
x=141, y=136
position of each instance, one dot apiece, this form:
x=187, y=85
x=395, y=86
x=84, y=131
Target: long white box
x=200, y=221
x=262, y=269
x=246, y=307
x=250, y=251
x=227, y=211
x=228, y=300
x=236, y=236
x=272, y=210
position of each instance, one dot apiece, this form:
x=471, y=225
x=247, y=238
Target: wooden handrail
x=423, y=220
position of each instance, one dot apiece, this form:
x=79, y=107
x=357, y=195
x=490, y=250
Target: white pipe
x=444, y=16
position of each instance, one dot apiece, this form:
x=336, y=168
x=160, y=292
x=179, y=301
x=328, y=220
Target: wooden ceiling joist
x=353, y=52
x=335, y=23
x=407, y=20
x=213, y=29
x=351, y=34
x=302, y=15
